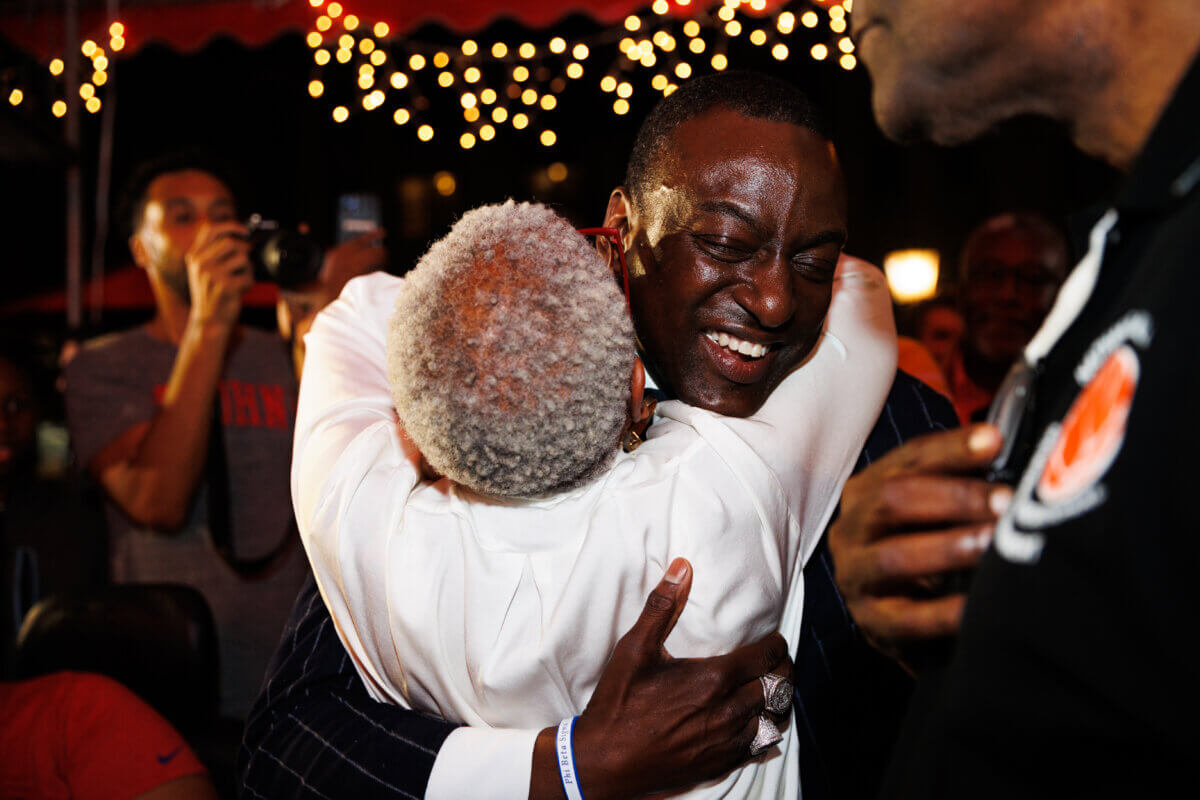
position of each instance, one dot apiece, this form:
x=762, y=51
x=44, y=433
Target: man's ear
x=137, y=248
x=640, y=408
x=619, y=215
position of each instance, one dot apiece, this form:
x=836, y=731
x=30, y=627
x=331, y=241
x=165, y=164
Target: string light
x=725, y=13
x=366, y=46
x=624, y=89
x=580, y=52
x=574, y=70
x=696, y=46
x=471, y=114
x=117, y=43
x=378, y=57
x=315, y=88
x=632, y=23
x=548, y=138
x=440, y=60
x=425, y=133
x=660, y=7
x=321, y=57
x=719, y=62
x=691, y=28
x=848, y=61
x=470, y=47
x=445, y=79
x=416, y=62
x=468, y=100
x=381, y=30
x=487, y=133
x=316, y=3
x=520, y=121
x=780, y=52
x=529, y=97
x=520, y=73
x=398, y=80
x=467, y=140
x=59, y=108
x=116, y=30
x=15, y=97
x=846, y=44
x=343, y=56
x=472, y=75
x=366, y=81
x=88, y=48
x=819, y=51
x=324, y=23
x=548, y=102
x=401, y=116
x=499, y=114
x=366, y=69
x=836, y=12
x=669, y=90
x=345, y=41
x=487, y=96
x=683, y=70
x=314, y=39
x=334, y=10
x=608, y=83
x=758, y=38
x=341, y=114
x=99, y=78
x=733, y=28
x=620, y=106
x=786, y=22
x=350, y=22
x=527, y=50
x=809, y=19
x=499, y=50
x=87, y=90
x=558, y=45
x=648, y=60
x=837, y=25
x=758, y=5
x=659, y=82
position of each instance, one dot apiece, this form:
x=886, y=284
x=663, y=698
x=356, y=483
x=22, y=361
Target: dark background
x=252, y=107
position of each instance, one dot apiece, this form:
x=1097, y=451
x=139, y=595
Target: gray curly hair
x=510, y=353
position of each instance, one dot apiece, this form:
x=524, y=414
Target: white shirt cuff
x=483, y=764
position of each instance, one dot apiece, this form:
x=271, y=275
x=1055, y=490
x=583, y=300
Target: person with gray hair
x=475, y=526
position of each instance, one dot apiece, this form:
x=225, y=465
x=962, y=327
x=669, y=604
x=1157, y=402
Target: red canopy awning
x=189, y=24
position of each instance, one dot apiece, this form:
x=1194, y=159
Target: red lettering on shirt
x=245, y=405
x=274, y=410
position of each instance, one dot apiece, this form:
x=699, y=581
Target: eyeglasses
x=613, y=237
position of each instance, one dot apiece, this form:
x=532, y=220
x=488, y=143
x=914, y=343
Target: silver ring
x=766, y=737
x=777, y=693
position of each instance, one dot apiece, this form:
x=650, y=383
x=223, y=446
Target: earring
x=631, y=442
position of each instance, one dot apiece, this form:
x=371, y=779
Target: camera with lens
x=283, y=256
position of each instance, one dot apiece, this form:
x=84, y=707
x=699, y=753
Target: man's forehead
x=191, y=186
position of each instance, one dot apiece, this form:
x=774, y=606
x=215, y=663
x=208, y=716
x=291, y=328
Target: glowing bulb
x=719, y=62
x=669, y=90
x=366, y=81
x=520, y=74
x=548, y=138
x=116, y=29
x=632, y=23
x=15, y=97
x=444, y=183
x=696, y=46
x=499, y=50
x=401, y=116
x=324, y=23
x=660, y=7
x=350, y=22
x=341, y=114
x=378, y=57
x=557, y=172
x=660, y=38
x=487, y=133
x=725, y=14
x=467, y=140
x=56, y=66
x=416, y=61
x=315, y=88
x=668, y=43
x=758, y=5
x=848, y=5
x=608, y=83
x=334, y=10
x=780, y=52
x=92, y=104
x=366, y=69
x=313, y=39
x=344, y=56
x=786, y=22
x=819, y=51
x=620, y=106
x=425, y=133
x=381, y=30
x=520, y=121
x=366, y=46
x=659, y=82
x=574, y=70
x=526, y=50
x=648, y=60
x=837, y=25
x=836, y=12
x=117, y=43
x=758, y=37
x=59, y=108
x=86, y=90
x=846, y=44
x=624, y=89
x=548, y=102
x=445, y=79
x=487, y=96
x=440, y=60
x=733, y=28
x=691, y=28
x=529, y=97
x=558, y=45
x=316, y=3
x=911, y=274
x=809, y=19
x=321, y=57
x=848, y=61
x=345, y=42
x=398, y=80
x=99, y=78
x=88, y=48
x=683, y=70
x=580, y=52
x=499, y=114
x=470, y=114
x=468, y=100
x=470, y=47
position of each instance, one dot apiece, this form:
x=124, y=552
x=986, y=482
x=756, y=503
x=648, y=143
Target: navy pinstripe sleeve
x=850, y=699
x=314, y=732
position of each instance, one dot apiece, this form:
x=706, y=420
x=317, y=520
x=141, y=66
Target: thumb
x=662, y=609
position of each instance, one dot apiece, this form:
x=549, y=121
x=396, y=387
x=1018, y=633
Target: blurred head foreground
x=510, y=354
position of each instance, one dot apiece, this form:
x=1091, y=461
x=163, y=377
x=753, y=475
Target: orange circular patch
x=1093, y=430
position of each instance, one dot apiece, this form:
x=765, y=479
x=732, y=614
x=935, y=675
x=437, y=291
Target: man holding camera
x=186, y=422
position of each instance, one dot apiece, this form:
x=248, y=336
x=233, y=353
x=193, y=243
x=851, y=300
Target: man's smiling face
x=732, y=247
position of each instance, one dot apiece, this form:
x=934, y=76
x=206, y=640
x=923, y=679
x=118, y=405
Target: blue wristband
x=565, y=749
